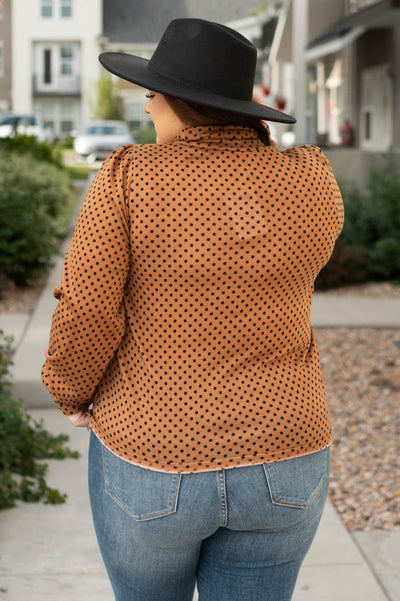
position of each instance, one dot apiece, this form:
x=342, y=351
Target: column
x=299, y=44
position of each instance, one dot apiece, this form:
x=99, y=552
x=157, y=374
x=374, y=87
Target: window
x=1, y=9
x=367, y=125
x=135, y=115
x=67, y=114
x=61, y=117
x=48, y=112
x=47, y=65
x=66, y=9
x=46, y=8
x=66, y=60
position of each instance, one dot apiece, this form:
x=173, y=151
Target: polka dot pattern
x=184, y=307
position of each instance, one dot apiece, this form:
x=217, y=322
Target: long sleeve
x=89, y=321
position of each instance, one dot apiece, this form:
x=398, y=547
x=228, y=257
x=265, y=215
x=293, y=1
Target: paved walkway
x=49, y=553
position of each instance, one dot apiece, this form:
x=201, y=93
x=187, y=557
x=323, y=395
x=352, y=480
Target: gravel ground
x=17, y=299
x=361, y=369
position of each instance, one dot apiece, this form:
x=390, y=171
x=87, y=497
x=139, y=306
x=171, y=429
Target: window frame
x=66, y=61
x=47, y=55
x=66, y=5
x=46, y=6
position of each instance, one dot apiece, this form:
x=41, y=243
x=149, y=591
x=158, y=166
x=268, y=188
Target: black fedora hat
x=201, y=62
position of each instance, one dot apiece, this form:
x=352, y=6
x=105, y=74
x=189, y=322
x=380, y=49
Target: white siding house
x=55, y=49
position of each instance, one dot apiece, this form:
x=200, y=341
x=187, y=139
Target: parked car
x=100, y=138
x=29, y=124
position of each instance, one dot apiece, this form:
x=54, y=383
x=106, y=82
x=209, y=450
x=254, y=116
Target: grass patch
x=77, y=172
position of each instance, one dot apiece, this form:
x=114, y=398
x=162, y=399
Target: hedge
x=36, y=203
x=369, y=246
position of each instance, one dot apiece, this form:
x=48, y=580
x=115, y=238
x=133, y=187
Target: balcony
x=59, y=86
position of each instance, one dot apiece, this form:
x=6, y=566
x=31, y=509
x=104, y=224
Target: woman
x=184, y=320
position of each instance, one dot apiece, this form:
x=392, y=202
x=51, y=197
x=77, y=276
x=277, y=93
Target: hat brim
x=138, y=70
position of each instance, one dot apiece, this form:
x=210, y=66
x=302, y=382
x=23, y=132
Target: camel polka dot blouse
x=184, y=307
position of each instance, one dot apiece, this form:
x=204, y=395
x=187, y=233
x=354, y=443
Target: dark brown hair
x=195, y=114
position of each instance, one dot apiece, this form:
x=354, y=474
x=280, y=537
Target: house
x=345, y=89
x=54, y=48
x=49, y=49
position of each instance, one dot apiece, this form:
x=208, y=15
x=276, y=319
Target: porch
x=354, y=164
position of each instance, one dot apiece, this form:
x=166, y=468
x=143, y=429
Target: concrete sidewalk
x=50, y=552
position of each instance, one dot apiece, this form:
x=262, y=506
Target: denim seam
x=222, y=497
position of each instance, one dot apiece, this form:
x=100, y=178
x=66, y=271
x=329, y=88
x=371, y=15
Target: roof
x=337, y=30
x=144, y=21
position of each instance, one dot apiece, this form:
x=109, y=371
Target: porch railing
x=59, y=86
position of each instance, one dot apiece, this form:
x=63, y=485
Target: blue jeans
x=241, y=533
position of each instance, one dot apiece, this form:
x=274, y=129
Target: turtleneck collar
x=230, y=135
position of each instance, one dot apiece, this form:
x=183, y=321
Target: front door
x=376, y=109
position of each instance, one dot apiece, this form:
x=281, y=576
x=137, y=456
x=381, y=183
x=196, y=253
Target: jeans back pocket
x=142, y=493
x=296, y=482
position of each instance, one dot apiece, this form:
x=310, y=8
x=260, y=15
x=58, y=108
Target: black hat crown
x=200, y=62
x=207, y=54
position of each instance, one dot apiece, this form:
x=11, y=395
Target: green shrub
x=372, y=222
x=36, y=203
x=369, y=246
x=24, y=443
x=145, y=135
x=77, y=172
x=346, y=266
x=42, y=151
x=384, y=259
x=65, y=142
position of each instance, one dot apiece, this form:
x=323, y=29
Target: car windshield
x=27, y=120
x=105, y=130
x=18, y=120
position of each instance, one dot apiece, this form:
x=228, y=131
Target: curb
x=333, y=311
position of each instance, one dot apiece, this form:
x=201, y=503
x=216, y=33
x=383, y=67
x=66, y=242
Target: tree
x=108, y=102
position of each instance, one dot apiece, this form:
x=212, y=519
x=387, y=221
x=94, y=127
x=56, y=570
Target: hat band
x=197, y=85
